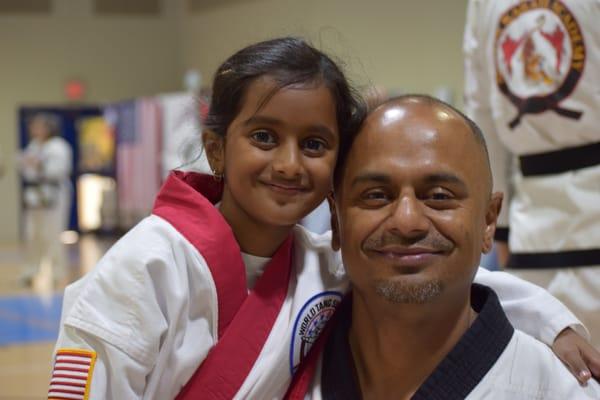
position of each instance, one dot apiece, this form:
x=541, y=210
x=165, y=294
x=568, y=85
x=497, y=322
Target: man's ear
x=335, y=229
x=491, y=218
x=214, y=145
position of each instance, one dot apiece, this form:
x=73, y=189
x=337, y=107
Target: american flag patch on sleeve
x=72, y=374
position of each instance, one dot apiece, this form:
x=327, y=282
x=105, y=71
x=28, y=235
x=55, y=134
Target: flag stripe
x=61, y=357
x=68, y=382
x=65, y=389
x=66, y=397
x=73, y=354
x=73, y=375
x=59, y=361
x=61, y=368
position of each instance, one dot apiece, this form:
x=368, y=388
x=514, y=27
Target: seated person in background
x=413, y=211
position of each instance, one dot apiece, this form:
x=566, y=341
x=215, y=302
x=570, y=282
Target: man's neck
x=397, y=346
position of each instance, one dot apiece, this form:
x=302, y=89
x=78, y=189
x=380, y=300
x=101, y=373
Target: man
x=46, y=167
x=531, y=74
x=415, y=210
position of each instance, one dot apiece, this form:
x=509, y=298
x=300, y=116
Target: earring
x=218, y=177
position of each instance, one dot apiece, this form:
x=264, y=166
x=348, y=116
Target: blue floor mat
x=29, y=319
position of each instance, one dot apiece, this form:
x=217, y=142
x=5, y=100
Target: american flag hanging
x=72, y=374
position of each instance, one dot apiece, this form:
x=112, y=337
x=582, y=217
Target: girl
x=218, y=294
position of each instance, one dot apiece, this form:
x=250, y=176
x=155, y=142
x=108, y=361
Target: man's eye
x=263, y=137
x=440, y=196
x=374, y=198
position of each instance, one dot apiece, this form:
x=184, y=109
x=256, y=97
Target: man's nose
x=408, y=218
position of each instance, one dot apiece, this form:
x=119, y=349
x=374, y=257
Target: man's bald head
x=417, y=176
x=415, y=100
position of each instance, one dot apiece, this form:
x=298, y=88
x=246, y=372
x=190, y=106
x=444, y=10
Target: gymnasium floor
x=30, y=315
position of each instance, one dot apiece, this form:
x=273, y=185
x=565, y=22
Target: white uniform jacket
x=491, y=360
x=48, y=186
x=532, y=72
x=171, y=296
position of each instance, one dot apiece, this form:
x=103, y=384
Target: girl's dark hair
x=289, y=61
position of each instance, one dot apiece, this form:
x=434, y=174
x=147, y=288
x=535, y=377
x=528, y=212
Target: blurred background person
x=45, y=166
x=531, y=82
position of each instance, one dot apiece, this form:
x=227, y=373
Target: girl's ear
x=335, y=229
x=214, y=145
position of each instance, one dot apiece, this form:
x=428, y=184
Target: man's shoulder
x=528, y=369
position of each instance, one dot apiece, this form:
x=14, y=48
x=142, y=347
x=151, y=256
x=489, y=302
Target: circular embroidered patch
x=309, y=323
x=539, y=56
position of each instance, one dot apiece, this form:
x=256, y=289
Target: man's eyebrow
x=444, y=177
x=263, y=119
x=370, y=177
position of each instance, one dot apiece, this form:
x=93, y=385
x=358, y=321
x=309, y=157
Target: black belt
x=560, y=259
x=555, y=162
x=41, y=183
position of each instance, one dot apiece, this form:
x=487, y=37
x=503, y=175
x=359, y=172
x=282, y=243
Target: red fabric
x=228, y=364
x=186, y=202
x=245, y=320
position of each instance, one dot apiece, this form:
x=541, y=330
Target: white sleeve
x=530, y=308
x=115, y=375
x=148, y=310
x=477, y=100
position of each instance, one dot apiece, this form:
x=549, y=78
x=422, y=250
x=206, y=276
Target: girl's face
x=279, y=156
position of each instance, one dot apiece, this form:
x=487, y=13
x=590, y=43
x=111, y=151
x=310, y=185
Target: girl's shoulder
x=318, y=246
x=312, y=239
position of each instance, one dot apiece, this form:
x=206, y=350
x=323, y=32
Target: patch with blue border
x=309, y=323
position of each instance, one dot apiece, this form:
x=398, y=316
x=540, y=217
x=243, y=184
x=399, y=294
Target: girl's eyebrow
x=262, y=119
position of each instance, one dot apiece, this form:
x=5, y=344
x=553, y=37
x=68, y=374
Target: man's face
x=414, y=205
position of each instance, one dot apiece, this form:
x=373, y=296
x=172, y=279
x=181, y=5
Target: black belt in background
x=559, y=259
x=555, y=162
x=41, y=183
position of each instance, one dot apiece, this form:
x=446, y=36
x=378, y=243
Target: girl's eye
x=314, y=145
x=263, y=137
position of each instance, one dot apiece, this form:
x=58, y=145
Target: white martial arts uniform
x=47, y=203
x=174, y=288
x=491, y=360
x=532, y=71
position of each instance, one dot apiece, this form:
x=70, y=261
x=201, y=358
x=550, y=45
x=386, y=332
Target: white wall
x=399, y=44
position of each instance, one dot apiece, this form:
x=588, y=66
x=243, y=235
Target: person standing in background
x=532, y=70
x=46, y=165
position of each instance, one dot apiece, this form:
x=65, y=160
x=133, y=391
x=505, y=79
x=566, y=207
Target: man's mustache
x=434, y=241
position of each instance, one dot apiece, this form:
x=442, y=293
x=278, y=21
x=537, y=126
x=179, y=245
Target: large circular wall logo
x=311, y=320
x=539, y=57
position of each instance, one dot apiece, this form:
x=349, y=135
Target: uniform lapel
x=245, y=320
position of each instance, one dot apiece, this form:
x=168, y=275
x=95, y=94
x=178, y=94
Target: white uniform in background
x=173, y=288
x=532, y=72
x=492, y=360
x=47, y=203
